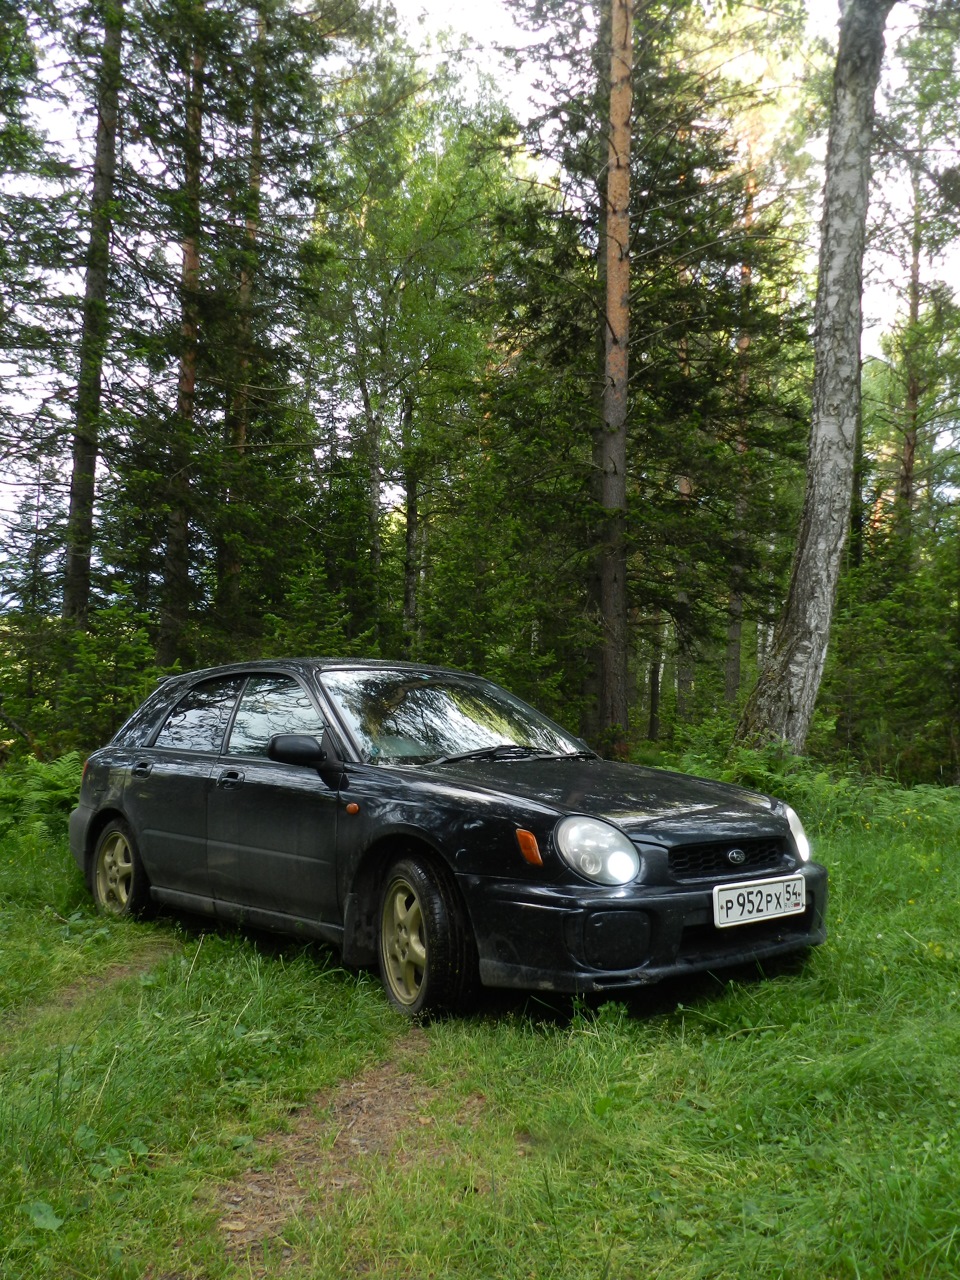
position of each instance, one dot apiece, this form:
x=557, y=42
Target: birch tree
x=781, y=705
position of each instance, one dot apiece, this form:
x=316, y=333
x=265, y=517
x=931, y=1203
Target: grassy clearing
x=804, y=1126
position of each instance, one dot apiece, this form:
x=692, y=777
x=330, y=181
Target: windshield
x=413, y=717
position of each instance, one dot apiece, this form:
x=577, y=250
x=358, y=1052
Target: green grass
x=802, y=1126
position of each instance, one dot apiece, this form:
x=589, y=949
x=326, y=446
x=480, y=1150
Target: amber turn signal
x=529, y=847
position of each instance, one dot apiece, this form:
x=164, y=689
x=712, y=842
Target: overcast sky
x=484, y=21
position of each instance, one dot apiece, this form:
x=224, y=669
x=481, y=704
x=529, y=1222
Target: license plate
x=757, y=900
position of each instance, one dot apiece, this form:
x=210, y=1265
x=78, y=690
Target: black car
x=430, y=822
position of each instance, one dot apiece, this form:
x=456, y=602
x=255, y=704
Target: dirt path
x=337, y=1143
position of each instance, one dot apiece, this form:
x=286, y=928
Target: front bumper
x=578, y=940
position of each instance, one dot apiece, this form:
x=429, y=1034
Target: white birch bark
x=781, y=705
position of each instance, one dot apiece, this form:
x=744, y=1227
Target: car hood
x=654, y=803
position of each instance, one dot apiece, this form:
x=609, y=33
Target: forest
x=302, y=351
x=319, y=339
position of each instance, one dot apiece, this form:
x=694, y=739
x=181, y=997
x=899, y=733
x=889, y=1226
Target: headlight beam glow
x=597, y=850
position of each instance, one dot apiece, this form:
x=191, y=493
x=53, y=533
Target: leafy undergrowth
x=801, y=1126
x=37, y=795
x=830, y=799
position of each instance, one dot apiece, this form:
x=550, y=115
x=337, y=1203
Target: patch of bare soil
x=337, y=1143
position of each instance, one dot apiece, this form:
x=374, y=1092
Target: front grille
x=710, y=861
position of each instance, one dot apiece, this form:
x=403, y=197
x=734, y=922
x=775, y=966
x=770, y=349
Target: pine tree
x=708, y=266
x=94, y=321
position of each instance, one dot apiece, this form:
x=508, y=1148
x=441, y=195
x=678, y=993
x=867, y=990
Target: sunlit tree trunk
x=781, y=705
x=611, y=453
x=95, y=323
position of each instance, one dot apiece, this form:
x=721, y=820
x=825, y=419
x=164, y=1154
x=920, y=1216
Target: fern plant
x=40, y=793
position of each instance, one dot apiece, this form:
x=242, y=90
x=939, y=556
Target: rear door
x=271, y=828
x=166, y=795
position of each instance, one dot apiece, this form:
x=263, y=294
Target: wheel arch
x=362, y=899
x=98, y=823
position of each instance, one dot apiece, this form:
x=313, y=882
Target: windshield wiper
x=502, y=751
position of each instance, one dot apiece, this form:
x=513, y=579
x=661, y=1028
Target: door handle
x=230, y=779
x=141, y=769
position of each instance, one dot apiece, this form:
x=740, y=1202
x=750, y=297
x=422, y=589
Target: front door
x=271, y=828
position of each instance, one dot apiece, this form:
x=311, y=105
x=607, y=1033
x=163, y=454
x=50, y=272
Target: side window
x=140, y=728
x=199, y=720
x=271, y=704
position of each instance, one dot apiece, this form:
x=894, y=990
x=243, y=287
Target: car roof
x=314, y=664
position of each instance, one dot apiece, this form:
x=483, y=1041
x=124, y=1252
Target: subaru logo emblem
x=736, y=856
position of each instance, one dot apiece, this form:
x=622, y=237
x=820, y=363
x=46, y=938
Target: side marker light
x=529, y=847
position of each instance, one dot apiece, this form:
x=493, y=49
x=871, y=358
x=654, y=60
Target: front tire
x=118, y=881
x=427, y=953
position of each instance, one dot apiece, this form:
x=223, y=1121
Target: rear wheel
x=117, y=879
x=427, y=953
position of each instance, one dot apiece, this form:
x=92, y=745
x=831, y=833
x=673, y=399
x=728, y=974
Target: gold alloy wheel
x=114, y=876
x=403, y=942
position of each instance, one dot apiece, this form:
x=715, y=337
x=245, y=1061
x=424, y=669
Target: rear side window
x=139, y=729
x=271, y=704
x=199, y=720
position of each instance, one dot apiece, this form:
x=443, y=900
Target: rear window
x=138, y=730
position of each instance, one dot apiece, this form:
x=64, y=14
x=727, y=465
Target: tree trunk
x=683, y=642
x=590, y=717
x=612, y=450
x=733, y=656
x=855, y=554
x=656, y=672
x=411, y=556
x=908, y=457
x=176, y=562
x=93, y=336
x=781, y=705
x=685, y=675
x=237, y=424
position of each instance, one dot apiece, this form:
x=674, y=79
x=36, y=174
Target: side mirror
x=296, y=748
x=304, y=750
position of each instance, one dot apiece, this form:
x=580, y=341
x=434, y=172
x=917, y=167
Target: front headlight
x=798, y=833
x=597, y=850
